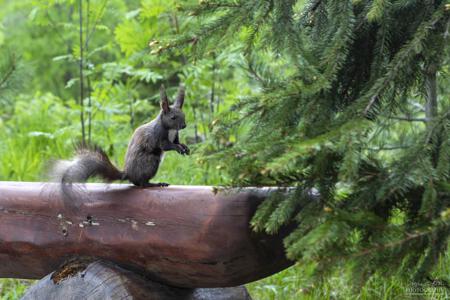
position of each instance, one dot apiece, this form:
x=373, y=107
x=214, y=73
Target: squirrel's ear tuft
x=180, y=97
x=164, y=100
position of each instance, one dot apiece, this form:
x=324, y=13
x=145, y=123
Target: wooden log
x=103, y=280
x=181, y=236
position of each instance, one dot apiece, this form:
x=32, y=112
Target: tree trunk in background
x=431, y=107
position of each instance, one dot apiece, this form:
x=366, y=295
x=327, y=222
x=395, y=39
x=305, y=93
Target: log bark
x=103, y=280
x=181, y=236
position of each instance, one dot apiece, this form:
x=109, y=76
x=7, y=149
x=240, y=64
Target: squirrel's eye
x=173, y=117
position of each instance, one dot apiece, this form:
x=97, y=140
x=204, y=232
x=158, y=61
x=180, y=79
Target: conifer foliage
x=349, y=109
x=11, y=75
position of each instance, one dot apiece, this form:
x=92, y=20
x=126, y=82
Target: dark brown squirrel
x=144, y=154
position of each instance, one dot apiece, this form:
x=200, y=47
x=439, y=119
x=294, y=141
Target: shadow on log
x=180, y=236
x=102, y=280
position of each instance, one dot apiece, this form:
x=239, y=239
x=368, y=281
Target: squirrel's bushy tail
x=89, y=161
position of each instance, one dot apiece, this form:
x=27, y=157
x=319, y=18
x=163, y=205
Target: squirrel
x=144, y=154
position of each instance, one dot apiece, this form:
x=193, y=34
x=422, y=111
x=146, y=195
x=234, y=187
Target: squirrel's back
x=144, y=154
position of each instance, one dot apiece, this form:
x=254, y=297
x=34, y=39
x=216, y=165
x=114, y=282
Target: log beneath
x=102, y=280
x=181, y=236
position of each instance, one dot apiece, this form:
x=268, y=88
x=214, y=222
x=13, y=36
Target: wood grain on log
x=182, y=236
x=103, y=280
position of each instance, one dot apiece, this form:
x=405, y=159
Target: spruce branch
x=339, y=64
x=409, y=237
x=402, y=59
x=409, y=119
x=388, y=148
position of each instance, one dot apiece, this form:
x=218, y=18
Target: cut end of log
x=70, y=269
x=104, y=280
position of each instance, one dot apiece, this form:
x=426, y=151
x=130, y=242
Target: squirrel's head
x=172, y=116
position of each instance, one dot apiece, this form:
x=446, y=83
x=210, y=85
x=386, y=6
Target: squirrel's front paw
x=187, y=151
x=182, y=149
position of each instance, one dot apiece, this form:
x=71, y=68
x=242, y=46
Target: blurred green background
x=40, y=104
